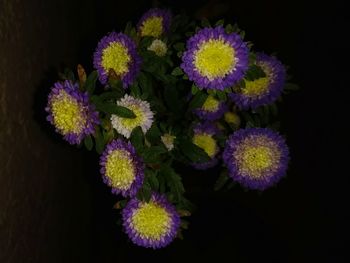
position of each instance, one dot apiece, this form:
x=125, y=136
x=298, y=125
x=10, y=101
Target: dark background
x=53, y=205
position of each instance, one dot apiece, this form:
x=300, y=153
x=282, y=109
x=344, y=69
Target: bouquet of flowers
x=173, y=91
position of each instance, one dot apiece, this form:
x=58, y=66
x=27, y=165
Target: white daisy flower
x=158, y=47
x=142, y=110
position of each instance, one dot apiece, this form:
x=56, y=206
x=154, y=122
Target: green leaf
x=145, y=83
x=113, y=108
x=137, y=139
x=145, y=193
x=198, y=100
x=205, y=23
x=91, y=82
x=193, y=152
x=135, y=90
x=174, y=182
x=221, y=181
x=264, y=113
x=128, y=28
x=99, y=140
x=68, y=73
x=235, y=28
x=153, y=133
x=179, y=46
x=177, y=72
x=153, y=153
x=228, y=90
x=221, y=95
x=250, y=124
x=254, y=72
x=108, y=135
x=242, y=34
x=221, y=22
x=110, y=95
x=257, y=121
x=274, y=109
x=151, y=178
x=229, y=29
x=194, y=89
x=88, y=143
x=172, y=100
x=252, y=57
x=162, y=184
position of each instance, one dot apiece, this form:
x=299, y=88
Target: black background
x=301, y=220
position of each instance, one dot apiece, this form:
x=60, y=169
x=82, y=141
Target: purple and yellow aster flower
x=257, y=158
x=121, y=168
x=203, y=137
x=142, y=110
x=70, y=112
x=212, y=109
x=154, y=22
x=264, y=90
x=215, y=59
x=116, y=56
x=153, y=224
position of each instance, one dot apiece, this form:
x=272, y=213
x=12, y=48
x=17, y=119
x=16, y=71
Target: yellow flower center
x=256, y=87
x=131, y=123
x=255, y=160
x=211, y=104
x=120, y=169
x=67, y=114
x=151, y=221
x=206, y=142
x=214, y=59
x=153, y=27
x=233, y=118
x=116, y=57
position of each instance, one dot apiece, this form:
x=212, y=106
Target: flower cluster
x=165, y=93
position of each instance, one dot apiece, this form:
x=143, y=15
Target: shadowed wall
x=45, y=210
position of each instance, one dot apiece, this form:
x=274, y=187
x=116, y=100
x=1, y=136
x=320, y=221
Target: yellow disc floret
x=211, y=104
x=67, y=114
x=254, y=160
x=214, y=59
x=117, y=58
x=120, y=169
x=206, y=142
x=152, y=27
x=151, y=221
x=256, y=87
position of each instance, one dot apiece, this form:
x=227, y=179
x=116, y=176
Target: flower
x=116, y=56
x=158, y=47
x=154, y=22
x=121, y=168
x=70, y=112
x=215, y=59
x=153, y=224
x=204, y=138
x=264, y=90
x=256, y=157
x=212, y=109
x=168, y=141
x=142, y=110
x=232, y=118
